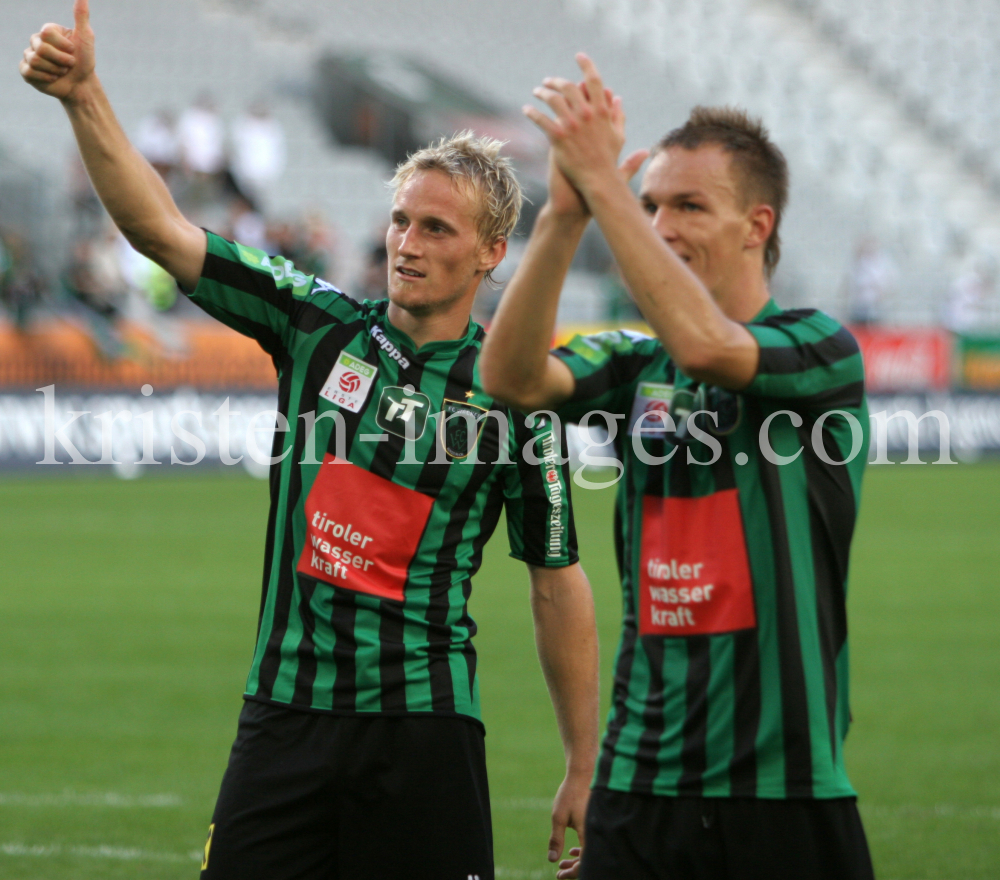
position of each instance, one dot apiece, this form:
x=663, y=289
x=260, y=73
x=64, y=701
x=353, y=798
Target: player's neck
x=743, y=299
x=438, y=326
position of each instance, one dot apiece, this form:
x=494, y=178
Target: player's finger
x=81, y=14
x=557, y=837
x=555, y=100
x=39, y=64
x=56, y=35
x=31, y=75
x=633, y=163
x=50, y=53
x=569, y=90
x=595, y=86
x=568, y=870
x=541, y=120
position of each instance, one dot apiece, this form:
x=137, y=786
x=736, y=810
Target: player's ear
x=491, y=255
x=760, y=224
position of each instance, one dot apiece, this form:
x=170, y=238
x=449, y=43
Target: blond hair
x=476, y=161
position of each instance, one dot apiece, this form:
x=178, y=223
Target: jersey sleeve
x=264, y=297
x=540, y=526
x=809, y=359
x=606, y=367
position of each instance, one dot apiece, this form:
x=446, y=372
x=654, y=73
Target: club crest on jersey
x=459, y=422
x=403, y=412
x=651, y=397
x=349, y=382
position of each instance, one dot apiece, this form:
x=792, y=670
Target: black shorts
x=649, y=837
x=329, y=797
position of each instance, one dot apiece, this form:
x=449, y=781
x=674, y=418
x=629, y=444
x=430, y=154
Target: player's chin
x=416, y=302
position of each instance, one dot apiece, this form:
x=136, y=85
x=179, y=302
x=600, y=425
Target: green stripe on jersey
x=757, y=708
x=377, y=519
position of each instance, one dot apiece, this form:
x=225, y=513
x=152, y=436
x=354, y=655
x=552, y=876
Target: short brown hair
x=477, y=162
x=761, y=166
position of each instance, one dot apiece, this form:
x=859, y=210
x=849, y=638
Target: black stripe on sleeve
x=783, y=359
x=832, y=513
x=794, y=700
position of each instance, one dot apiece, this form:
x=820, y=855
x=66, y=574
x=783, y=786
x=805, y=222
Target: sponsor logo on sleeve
x=349, y=382
x=651, y=397
x=554, y=490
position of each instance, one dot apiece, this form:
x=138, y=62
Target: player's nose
x=664, y=225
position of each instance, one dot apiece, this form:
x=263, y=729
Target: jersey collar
x=437, y=348
x=770, y=308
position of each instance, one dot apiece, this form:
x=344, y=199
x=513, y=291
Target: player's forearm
x=515, y=361
x=134, y=195
x=703, y=342
x=566, y=637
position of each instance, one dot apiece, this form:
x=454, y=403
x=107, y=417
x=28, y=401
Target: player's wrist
x=563, y=219
x=83, y=94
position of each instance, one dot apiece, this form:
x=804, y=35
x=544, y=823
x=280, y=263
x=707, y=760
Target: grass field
x=127, y=615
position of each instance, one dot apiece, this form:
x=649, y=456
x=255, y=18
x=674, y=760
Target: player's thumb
x=556, y=839
x=81, y=14
x=633, y=163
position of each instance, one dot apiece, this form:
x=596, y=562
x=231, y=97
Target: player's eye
x=690, y=206
x=649, y=207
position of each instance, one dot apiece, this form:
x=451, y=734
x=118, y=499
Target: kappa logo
x=403, y=412
x=388, y=347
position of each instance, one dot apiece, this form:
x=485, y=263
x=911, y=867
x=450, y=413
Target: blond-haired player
x=360, y=751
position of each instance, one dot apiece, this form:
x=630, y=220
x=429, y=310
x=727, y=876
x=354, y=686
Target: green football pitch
x=127, y=616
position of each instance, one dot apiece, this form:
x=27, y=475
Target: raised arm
x=60, y=62
x=566, y=637
x=701, y=339
x=516, y=366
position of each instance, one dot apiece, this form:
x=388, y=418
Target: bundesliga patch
x=403, y=412
x=349, y=382
x=651, y=397
x=461, y=425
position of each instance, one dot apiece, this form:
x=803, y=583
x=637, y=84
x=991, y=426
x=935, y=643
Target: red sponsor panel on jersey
x=362, y=531
x=695, y=575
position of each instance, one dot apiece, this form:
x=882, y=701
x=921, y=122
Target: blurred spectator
x=158, y=141
x=94, y=279
x=248, y=226
x=258, y=151
x=618, y=304
x=871, y=282
x=319, y=248
x=20, y=284
x=375, y=277
x=965, y=308
x=203, y=152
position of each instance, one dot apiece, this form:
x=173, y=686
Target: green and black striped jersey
x=389, y=480
x=732, y=675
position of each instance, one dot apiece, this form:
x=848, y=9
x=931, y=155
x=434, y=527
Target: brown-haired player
x=360, y=749
x=743, y=430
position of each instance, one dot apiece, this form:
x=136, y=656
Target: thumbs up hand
x=58, y=59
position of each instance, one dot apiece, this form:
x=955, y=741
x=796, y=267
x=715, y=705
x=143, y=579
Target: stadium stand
x=837, y=82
